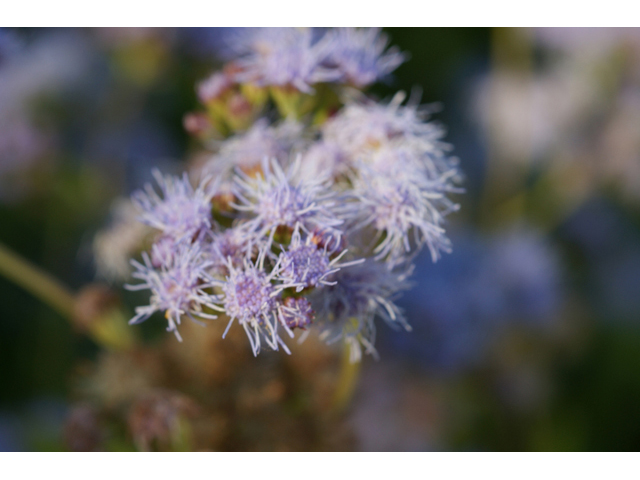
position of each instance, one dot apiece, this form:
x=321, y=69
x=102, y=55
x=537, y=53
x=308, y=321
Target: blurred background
x=526, y=337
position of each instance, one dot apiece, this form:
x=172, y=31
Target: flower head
x=404, y=206
x=286, y=57
x=250, y=297
x=305, y=264
x=359, y=54
x=181, y=212
x=178, y=287
x=361, y=293
x=279, y=199
x=247, y=150
x=362, y=128
x=302, y=57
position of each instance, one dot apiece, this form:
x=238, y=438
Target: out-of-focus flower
x=361, y=293
x=573, y=115
x=399, y=170
x=182, y=212
x=359, y=54
x=246, y=151
x=529, y=118
x=158, y=419
x=286, y=57
x=114, y=245
x=46, y=67
x=82, y=429
x=300, y=58
x=462, y=304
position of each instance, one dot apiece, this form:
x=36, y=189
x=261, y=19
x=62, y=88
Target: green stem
x=40, y=284
x=347, y=381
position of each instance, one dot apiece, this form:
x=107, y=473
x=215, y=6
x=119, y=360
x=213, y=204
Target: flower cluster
x=303, y=57
x=301, y=224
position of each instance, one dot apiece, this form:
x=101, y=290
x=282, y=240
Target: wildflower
x=404, y=206
x=114, y=245
x=247, y=150
x=157, y=418
x=179, y=287
x=305, y=264
x=291, y=196
x=324, y=158
x=362, y=128
x=361, y=293
x=278, y=199
x=181, y=212
x=399, y=173
x=286, y=58
x=303, y=57
x=250, y=297
x=359, y=54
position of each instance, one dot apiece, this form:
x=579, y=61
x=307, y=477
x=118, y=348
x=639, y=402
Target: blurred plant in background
x=524, y=338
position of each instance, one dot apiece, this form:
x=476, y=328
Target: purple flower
x=404, y=206
x=181, y=212
x=247, y=150
x=360, y=129
x=178, y=287
x=305, y=264
x=286, y=57
x=359, y=54
x=250, y=297
x=302, y=57
x=361, y=293
x=278, y=199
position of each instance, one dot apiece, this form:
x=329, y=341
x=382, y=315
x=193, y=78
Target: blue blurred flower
x=458, y=306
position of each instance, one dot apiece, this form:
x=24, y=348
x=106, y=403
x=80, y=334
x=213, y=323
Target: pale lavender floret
x=287, y=57
x=359, y=54
x=399, y=172
x=278, y=198
x=251, y=298
x=325, y=158
x=235, y=43
x=182, y=212
x=303, y=264
x=178, y=287
x=114, y=245
x=296, y=313
x=302, y=57
x=247, y=150
x=404, y=205
x=363, y=292
x=363, y=127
